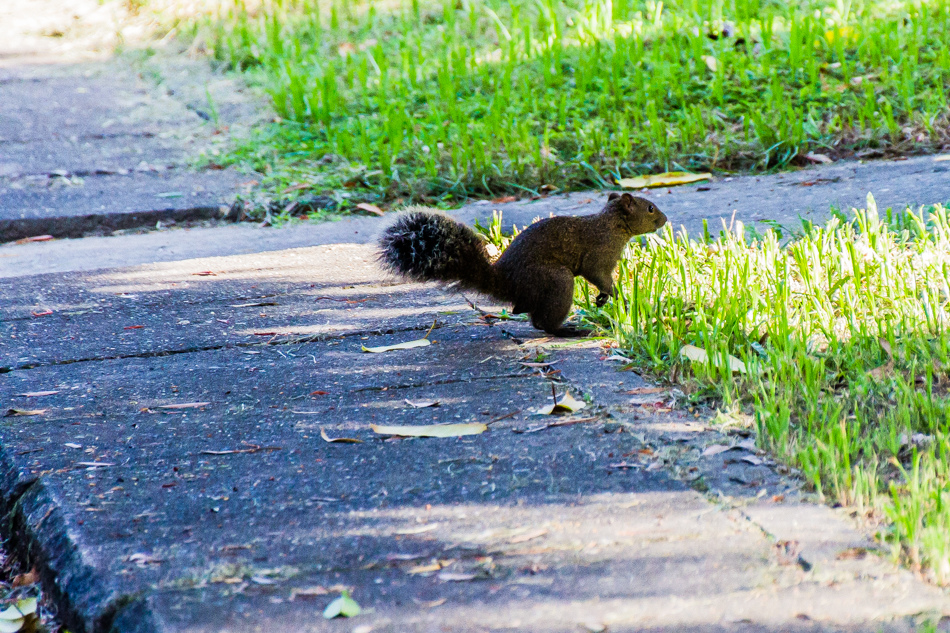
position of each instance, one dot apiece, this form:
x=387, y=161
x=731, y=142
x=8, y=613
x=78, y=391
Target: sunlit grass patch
x=843, y=333
x=429, y=100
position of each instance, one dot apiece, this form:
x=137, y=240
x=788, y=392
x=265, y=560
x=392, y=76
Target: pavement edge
x=79, y=226
x=37, y=529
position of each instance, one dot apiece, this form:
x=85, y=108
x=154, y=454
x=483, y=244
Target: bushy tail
x=430, y=246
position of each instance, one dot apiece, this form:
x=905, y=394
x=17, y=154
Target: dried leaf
x=26, y=606
x=422, y=342
x=24, y=580
x=566, y=403
x=548, y=364
x=818, y=158
x=206, y=273
x=645, y=390
x=424, y=569
x=752, y=459
x=422, y=404
x=36, y=238
x=13, y=412
x=528, y=536
x=505, y=199
x=343, y=607
x=307, y=592
x=448, y=576
x=421, y=529
x=432, y=430
x=700, y=356
x=941, y=158
x=42, y=313
x=36, y=394
x=429, y=604
x=715, y=449
x=340, y=440
x=253, y=305
x=370, y=208
x=185, y=405
x=666, y=179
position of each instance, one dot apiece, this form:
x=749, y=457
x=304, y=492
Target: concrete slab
x=236, y=515
x=756, y=201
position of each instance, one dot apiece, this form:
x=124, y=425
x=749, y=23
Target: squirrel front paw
x=601, y=299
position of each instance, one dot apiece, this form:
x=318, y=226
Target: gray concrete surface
x=753, y=200
x=91, y=143
x=222, y=517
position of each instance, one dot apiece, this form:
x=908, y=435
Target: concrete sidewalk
x=90, y=143
x=236, y=515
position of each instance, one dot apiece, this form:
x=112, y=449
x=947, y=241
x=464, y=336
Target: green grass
x=844, y=333
x=436, y=101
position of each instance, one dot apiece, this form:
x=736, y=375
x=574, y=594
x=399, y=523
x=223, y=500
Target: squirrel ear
x=627, y=198
x=613, y=195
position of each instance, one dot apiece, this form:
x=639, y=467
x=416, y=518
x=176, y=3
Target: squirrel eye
x=652, y=209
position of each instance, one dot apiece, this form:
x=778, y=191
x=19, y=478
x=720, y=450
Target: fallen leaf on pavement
x=941, y=158
x=36, y=394
x=370, y=208
x=13, y=412
x=94, y=464
x=432, y=430
x=852, y=553
x=666, y=179
x=133, y=327
x=645, y=390
x=256, y=304
x=319, y=393
x=539, y=364
x=186, y=405
x=37, y=238
x=505, y=199
x=206, y=273
x=417, y=530
x=72, y=445
x=817, y=158
x=752, y=459
x=567, y=402
x=142, y=559
x=343, y=607
x=307, y=592
x=252, y=448
x=422, y=404
x=429, y=604
x=700, y=356
x=424, y=569
x=340, y=440
x=42, y=313
x=15, y=617
x=715, y=449
x=422, y=342
x=448, y=576
x=521, y=538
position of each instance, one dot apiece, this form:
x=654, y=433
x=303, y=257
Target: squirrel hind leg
x=554, y=300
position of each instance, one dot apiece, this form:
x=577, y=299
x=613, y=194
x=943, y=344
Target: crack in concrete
x=300, y=340
x=435, y=383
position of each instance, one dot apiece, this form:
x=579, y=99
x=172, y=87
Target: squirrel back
x=536, y=272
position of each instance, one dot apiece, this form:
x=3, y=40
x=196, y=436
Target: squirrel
x=536, y=272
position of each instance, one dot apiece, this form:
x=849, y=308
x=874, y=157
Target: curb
x=36, y=528
x=79, y=226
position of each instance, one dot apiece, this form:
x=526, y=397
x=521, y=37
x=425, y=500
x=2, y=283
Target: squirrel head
x=638, y=215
